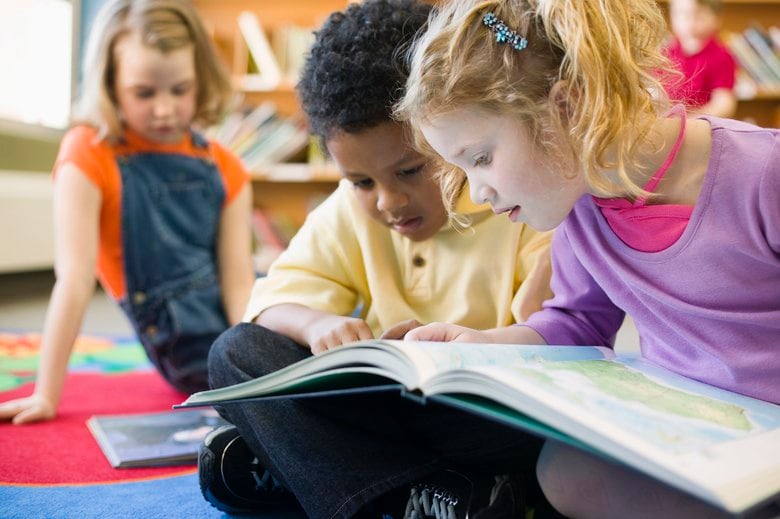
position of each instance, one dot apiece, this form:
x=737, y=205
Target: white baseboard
x=26, y=221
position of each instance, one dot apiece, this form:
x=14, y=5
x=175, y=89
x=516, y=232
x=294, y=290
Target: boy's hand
x=336, y=330
x=398, y=331
x=26, y=410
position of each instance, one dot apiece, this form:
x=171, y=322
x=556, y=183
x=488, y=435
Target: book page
x=678, y=430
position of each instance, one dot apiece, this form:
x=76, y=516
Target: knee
x=226, y=353
x=568, y=481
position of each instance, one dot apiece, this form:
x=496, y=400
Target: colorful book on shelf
x=268, y=74
x=276, y=142
x=760, y=42
x=717, y=445
x=751, y=62
x=153, y=439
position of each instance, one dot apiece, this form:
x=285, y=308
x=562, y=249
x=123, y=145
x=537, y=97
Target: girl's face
x=692, y=22
x=504, y=167
x=393, y=183
x=156, y=92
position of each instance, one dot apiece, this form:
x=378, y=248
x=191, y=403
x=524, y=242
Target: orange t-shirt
x=97, y=160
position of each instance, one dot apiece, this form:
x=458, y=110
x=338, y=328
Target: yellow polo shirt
x=494, y=273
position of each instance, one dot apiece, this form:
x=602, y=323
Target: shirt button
x=418, y=261
x=151, y=331
x=139, y=298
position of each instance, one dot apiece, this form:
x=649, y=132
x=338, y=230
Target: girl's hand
x=399, y=331
x=336, y=330
x=444, y=332
x=27, y=410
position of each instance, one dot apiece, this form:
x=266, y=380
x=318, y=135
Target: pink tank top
x=649, y=228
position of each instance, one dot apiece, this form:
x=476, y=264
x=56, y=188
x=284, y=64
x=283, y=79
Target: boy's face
x=692, y=22
x=393, y=183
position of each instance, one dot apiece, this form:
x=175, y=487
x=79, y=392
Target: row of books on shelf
x=261, y=137
x=757, y=52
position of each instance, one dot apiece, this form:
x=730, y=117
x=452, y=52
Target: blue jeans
x=337, y=454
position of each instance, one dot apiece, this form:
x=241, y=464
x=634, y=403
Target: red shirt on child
x=710, y=68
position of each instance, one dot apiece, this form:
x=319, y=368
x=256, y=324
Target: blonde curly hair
x=604, y=55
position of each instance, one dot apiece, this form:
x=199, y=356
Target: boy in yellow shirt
x=377, y=258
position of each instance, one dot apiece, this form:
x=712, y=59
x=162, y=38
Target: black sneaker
x=446, y=494
x=231, y=478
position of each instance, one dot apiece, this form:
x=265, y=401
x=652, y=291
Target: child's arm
x=235, y=256
x=76, y=215
x=722, y=103
x=316, y=329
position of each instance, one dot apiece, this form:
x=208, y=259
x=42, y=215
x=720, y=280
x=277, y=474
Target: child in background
x=671, y=220
x=708, y=68
x=381, y=243
x=159, y=212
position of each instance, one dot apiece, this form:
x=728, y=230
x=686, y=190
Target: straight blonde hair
x=604, y=55
x=165, y=25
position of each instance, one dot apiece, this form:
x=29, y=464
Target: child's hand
x=398, y=331
x=336, y=330
x=26, y=410
x=444, y=332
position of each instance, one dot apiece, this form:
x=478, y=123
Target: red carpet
x=56, y=469
x=63, y=450
x=107, y=376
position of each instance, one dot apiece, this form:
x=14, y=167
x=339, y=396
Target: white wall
x=26, y=221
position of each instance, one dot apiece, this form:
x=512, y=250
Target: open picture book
x=720, y=446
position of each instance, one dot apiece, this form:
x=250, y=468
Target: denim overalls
x=171, y=207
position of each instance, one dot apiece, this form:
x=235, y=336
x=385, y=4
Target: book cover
x=153, y=439
x=706, y=441
x=268, y=75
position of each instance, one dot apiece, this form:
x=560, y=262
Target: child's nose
x=390, y=200
x=480, y=193
x=163, y=106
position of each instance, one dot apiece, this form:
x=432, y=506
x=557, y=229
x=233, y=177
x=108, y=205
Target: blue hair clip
x=503, y=33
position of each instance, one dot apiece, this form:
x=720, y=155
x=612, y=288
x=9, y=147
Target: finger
x=435, y=332
x=364, y=332
x=10, y=409
x=28, y=416
x=399, y=330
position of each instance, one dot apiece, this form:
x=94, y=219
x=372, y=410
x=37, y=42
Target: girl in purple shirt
x=550, y=110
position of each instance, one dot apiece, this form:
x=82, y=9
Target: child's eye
x=364, y=183
x=482, y=160
x=144, y=94
x=412, y=171
x=181, y=90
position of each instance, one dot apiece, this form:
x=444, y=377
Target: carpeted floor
x=56, y=469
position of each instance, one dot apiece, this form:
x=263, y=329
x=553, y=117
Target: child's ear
x=563, y=99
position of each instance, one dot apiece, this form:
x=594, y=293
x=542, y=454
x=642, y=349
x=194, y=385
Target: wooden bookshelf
x=764, y=107
x=294, y=196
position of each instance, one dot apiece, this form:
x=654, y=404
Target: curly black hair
x=356, y=69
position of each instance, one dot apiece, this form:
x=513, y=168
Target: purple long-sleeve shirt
x=707, y=307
